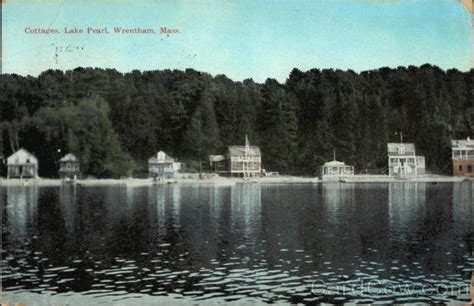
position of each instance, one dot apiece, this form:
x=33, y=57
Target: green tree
x=202, y=137
x=278, y=127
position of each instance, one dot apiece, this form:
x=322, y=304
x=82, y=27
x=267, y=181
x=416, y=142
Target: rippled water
x=397, y=242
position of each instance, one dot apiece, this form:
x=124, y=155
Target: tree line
x=115, y=121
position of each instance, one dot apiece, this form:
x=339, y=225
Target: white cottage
x=22, y=164
x=240, y=161
x=403, y=161
x=244, y=160
x=69, y=167
x=336, y=170
x=162, y=165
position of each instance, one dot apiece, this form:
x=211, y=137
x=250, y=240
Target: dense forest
x=115, y=121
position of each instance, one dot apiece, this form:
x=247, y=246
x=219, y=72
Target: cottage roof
x=216, y=158
x=69, y=158
x=463, y=144
x=334, y=163
x=161, y=157
x=22, y=157
x=401, y=149
x=240, y=150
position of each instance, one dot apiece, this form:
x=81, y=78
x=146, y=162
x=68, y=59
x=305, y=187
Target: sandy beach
x=228, y=181
x=149, y=181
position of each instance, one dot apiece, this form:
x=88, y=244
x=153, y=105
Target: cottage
x=463, y=157
x=238, y=161
x=69, y=167
x=163, y=166
x=403, y=161
x=244, y=160
x=335, y=170
x=22, y=164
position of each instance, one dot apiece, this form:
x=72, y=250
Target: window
x=401, y=150
x=460, y=168
x=456, y=154
x=470, y=154
x=469, y=168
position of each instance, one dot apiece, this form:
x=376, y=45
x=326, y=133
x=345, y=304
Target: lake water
x=397, y=242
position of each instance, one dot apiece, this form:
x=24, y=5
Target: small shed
x=22, y=164
x=163, y=166
x=218, y=163
x=335, y=170
x=69, y=167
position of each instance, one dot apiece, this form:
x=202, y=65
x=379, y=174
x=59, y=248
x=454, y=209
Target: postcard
x=205, y=152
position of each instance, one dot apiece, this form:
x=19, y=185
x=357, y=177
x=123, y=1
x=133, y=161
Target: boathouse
x=403, y=161
x=22, y=164
x=161, y=165
x=69, y=167
x=336, y=170
x=463, y=157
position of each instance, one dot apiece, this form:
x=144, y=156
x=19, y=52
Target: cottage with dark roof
x=218, y=164
x=69, y=167
x=403, y=161
x=22, y=164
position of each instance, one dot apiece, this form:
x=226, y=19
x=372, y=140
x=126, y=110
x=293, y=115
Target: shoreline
x=226, y=181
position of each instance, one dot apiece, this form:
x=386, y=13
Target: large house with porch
x=240, y=161
x=403, y=161
x=463, y=157
x=22, y=164
x=244, y=160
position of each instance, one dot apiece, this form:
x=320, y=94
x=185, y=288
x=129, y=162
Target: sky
x=241, y=39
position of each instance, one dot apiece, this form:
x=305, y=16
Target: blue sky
x=241, y=39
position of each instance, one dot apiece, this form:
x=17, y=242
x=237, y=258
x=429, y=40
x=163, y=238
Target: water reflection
x=249, y=240
x=21, y=208
x=336, y=198
x=246, y=206
x=463, y=199
x=406, y=205
x=68, y=207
